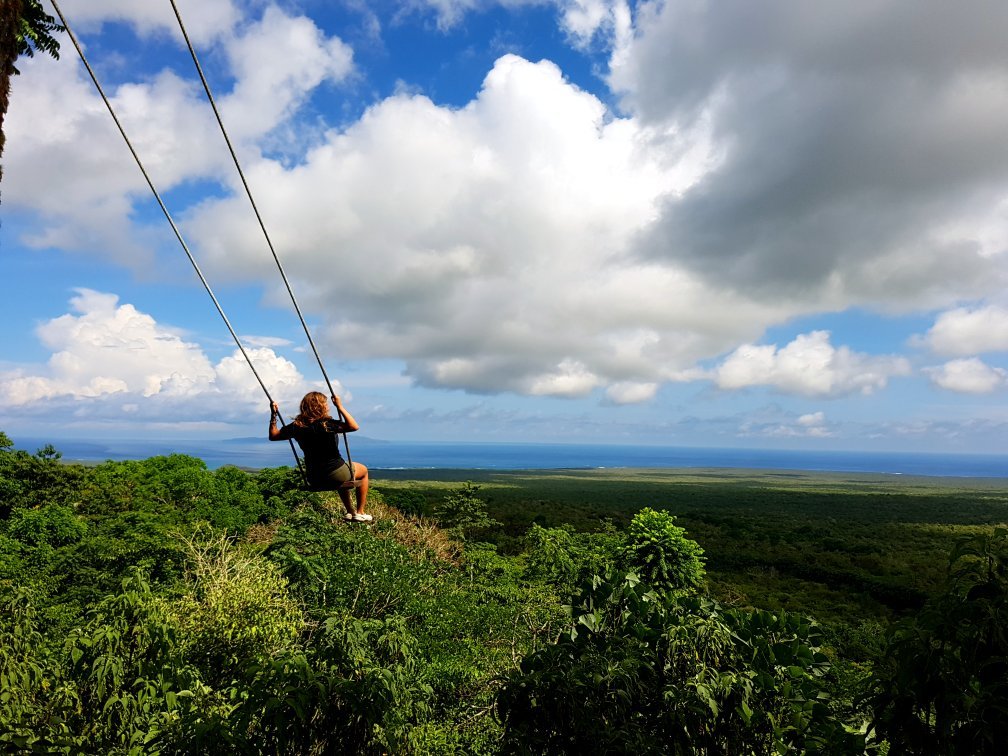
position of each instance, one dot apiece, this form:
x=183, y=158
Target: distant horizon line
x=205, y=442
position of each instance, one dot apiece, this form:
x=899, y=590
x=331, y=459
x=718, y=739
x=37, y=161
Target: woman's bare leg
x=345, y=498
x=361, y=474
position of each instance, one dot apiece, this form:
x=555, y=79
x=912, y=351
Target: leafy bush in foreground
x=639, y=673
x=351, y=691
x=124, y=686
x=941, y=683
x=33, y=708
x=237, y=610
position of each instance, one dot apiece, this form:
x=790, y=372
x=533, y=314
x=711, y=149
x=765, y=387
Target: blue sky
x=767, y=224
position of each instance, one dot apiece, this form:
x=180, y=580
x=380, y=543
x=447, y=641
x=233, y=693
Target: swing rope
x=262, y=224
x=164, y=209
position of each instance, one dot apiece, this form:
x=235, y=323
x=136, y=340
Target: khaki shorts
x=332, y=480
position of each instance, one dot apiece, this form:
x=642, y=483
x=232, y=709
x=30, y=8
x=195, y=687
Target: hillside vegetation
x=161, y=607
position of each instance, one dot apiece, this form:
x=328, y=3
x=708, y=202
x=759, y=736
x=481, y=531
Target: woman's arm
x=274, y=432
x=348, y=422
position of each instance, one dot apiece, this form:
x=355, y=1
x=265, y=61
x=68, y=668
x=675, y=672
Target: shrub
x=941, y=682
x=123, y=665
x=345, y=568
x=33, y=480
x=51, y=525
x=352, y=692
x=237, y=503
x=564, y=558
x=238, y=609
x=660, y=553
x=12, y=566
x=419, y=536
x=464, y=513
x=278, y=481
x=35, y=703
x=112, y=550
x=640, y=673
x=407, y=501
x=551, y=557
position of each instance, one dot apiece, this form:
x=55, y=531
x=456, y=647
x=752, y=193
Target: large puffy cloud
x=969, y=331
x=118, y=359
x=487, y=246
x=857, y=140
x=810, y=365
x=532, y=242
x=60, y=127
x=968, y=376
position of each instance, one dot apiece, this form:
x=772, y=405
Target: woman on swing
x=316, y=432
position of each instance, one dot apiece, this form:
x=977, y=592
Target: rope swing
x=269, y=242
x=181, y=240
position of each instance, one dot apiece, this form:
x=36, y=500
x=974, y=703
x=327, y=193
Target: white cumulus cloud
x=585, y=20
x=969, y=331
x=118, y=358
x=968, y=376
x=772, y=422
x=450, y=12
x=582, y=19
x=486, y=246
x=570, y=378
x=277, y=61
x=631, y=392
x=810, y=366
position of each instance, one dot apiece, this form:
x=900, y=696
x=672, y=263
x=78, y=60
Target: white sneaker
x=348, y=516
x=362, y=518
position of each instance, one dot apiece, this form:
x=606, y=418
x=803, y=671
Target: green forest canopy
x=159, y=606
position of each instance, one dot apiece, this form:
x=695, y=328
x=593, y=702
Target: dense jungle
x=158, y=606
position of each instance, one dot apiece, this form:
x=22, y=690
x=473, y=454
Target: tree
x=24, y=28
x=463, y=512
x=941, y=683
x=639, y=672
x=660, y=553
x=32, y=480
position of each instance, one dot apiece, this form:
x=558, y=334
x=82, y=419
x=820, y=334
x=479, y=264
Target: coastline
x=439, y=459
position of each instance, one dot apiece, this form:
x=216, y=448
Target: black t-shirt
x=320, y=444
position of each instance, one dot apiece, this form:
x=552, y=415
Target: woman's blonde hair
x=314, y=407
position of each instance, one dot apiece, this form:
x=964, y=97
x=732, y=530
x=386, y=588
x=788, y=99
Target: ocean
x=397, y=455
